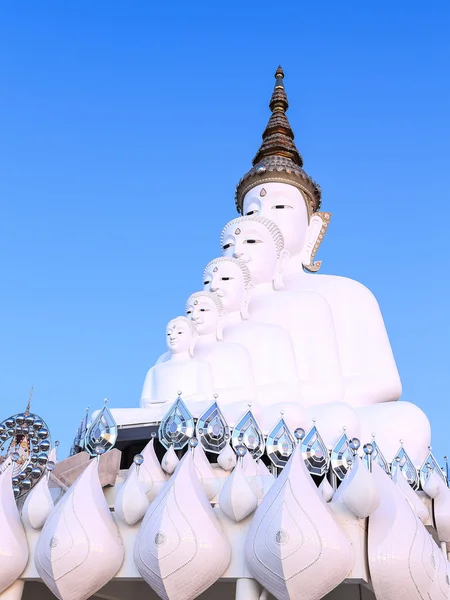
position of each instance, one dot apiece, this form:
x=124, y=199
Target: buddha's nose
x=214, y=288
x=237, y=254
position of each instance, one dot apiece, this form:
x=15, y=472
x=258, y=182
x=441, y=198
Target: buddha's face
x=227, y=281
x=203, y=312
x=179, y=336
x=285, y=206
x=252, y=243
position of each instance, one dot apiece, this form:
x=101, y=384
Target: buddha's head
x=181, y=336
x=278, y=188
x=206, y=311
x=229, y=278
x=259, y=243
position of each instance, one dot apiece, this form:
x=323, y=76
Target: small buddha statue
x=270, y=347
x=181, y=371
x=230, y=362
x=306, y=317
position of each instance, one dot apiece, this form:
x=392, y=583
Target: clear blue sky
x=125, y=127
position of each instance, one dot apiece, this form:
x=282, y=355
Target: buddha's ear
x=318, y=226
x=247, y=297
x=278, y=283
x=220, y=322
x=193, y=342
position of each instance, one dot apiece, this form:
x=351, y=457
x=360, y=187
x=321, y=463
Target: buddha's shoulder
x=338, y=286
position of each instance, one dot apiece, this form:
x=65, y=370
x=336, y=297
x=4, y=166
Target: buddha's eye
x=180, y=332
x=280, y=206
x=252, y=212
x=226, y=278
x=189, y=312
x=252, y=241
x=204, y=310
x=229, y=245
x=207, y=282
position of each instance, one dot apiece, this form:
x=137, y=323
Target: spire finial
x=278, y=158
x=27, y=410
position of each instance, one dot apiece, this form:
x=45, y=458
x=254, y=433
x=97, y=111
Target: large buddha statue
x=181, y=371
x=273, y=364
x=230, y=362
x=306, y=317
x=278, y=188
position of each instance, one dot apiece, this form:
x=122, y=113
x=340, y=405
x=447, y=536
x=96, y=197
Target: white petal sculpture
x=227, y=458
x=326, y=489
x=38, y=505
x=170, y=461
x=402, y=554
x=442, y=513
x=295, y=548
x=432, y=486
x=79, y=549
x=251, y=471
x=265, y=476
x=13, y=542
x=205, y=473
x=358, y=491
x=237, y=499
x=151, y=474
x=413, y=499
x=181, y=550
x=131, y=502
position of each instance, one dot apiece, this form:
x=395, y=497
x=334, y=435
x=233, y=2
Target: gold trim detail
x=314, y=266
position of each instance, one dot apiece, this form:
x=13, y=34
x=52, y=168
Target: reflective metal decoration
x=280, y=444
x=249, y=433
x=101, y=432
x=430, y=464
x=212, y=429
x=19, y=443
x=342, y=457
x=315, y=453
x=376, y=456
x=177, y=427
x=404, y=463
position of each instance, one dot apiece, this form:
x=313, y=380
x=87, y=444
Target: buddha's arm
x=369, y=368
x=147, y=389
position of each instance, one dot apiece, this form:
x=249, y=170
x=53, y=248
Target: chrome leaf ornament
x=24, y=441
x=249, y=433
x=341, y=457
x=177, y=426
x=315, y=453
x=280, y=444
x=212, y=430
x=102, y=432
x=403, y=463
x=430, y=466
x=376, y=456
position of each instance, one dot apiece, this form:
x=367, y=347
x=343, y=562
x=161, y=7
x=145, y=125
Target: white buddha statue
x=306, y=317
x=230, y=362
x=278, y=188
x=274, y=364
x=180, y=371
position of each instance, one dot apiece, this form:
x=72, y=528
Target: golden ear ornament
x=314, y=266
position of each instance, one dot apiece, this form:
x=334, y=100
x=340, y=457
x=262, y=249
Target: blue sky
x=125, y=127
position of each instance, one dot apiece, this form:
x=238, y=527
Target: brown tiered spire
x=278, y=158
x=278, y=137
